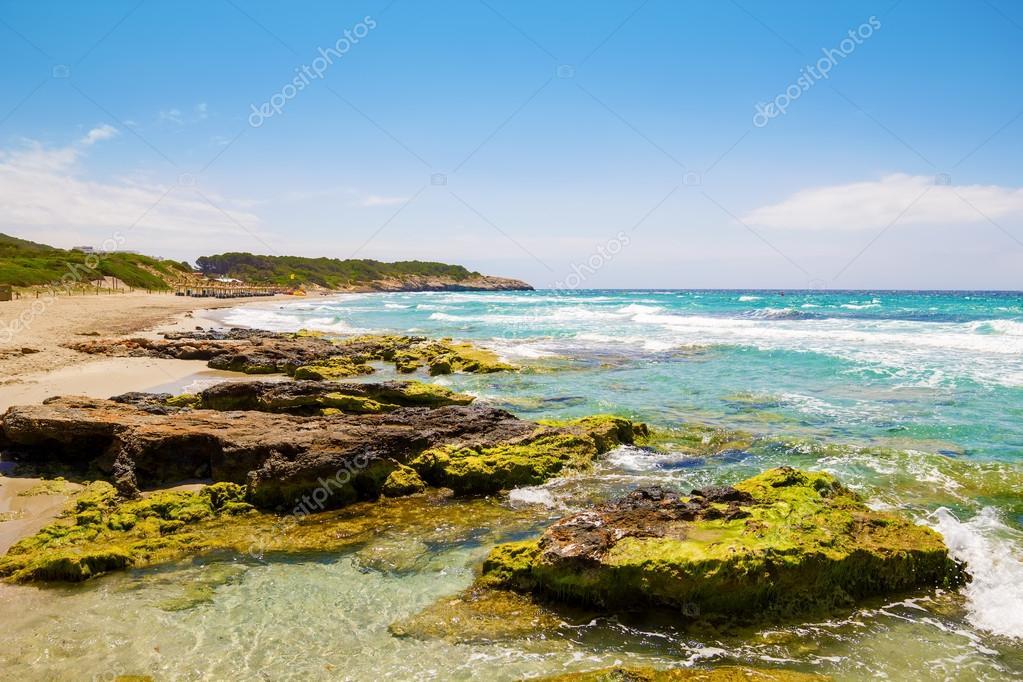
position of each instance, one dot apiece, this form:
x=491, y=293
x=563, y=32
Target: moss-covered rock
x=98, y=533
x=325, y=398
x=333, y=369
x=537, y=458
x=410, y=353
x=390, y=534
x=403, y=481
x=183, y=400
x=479, y=615
x=780, y=544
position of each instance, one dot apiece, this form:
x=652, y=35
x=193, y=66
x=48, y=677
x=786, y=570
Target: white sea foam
x=745, y=299
x=989, y=548
x=536, y=495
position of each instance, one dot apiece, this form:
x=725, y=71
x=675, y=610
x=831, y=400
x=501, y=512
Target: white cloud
x=103, y=132
x=172, y=116
x=875, y=204
x=45, y=187
x=377, y=200
x=201, y=111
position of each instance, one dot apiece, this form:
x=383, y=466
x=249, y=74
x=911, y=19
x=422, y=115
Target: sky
x=583, y=143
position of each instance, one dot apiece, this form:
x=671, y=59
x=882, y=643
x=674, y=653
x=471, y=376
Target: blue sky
x=555, y=128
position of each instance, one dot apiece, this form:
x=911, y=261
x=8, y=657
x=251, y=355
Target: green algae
x=720, y=674
x=403, y=481
x=479, y=615
x=332, y=369
x=167, y=526
x=53, y=486
x=340, y=398
x=538, y=458
x=805, y=544
x=184, y=400
x=200, y=591
x=410, y=353
x=697, y=439
x=99, y=533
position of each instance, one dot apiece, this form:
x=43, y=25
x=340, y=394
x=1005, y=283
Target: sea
x=912, y=398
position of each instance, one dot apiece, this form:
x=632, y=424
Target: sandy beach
x=34, y=364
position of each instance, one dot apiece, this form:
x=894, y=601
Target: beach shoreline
x=34, y=364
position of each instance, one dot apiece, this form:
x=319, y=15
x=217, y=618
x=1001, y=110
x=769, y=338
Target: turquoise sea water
x=866, y=367
x=914, y=399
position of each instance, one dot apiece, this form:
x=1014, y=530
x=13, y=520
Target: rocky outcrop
x=308, y=398
x=430, y=283
x=304, y=355
x=284, y=440
x=781, y=544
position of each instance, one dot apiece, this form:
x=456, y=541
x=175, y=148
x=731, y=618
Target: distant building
x=228, y=280
x=83, y=249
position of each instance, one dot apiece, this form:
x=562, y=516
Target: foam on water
x=991, y=551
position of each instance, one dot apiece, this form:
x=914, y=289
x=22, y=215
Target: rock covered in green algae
x=721, y=674
x=332, y=369
x=307, y=355
x=479, y=615
x=403, y=481
x=173, y=524
x=312, y=397
x=544, y=454
x=781, y=544
x=99, y=534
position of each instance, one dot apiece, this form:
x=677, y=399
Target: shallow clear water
x=915, y=399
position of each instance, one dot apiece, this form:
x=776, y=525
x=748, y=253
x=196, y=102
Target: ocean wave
x=275, y=320
x=1006, y=327
x=635, y=308
x=746, y=299
x=988, y=546
x=779, y=314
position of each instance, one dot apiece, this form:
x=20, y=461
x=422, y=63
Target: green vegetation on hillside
x=332, y=273
x=25, y=263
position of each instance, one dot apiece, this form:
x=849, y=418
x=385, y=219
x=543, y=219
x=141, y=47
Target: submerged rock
x=304, y=355
x=721, y=674
x=780, y=544
x=479, y=615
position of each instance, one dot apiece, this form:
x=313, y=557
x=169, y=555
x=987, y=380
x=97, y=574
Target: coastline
x=34, y=364
x=48, y=369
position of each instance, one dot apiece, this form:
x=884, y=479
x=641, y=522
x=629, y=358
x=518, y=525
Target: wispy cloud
x=377, y=200
x=175, y=116
x=874, y=204
x=47, y=187
x=103, y=132
x=171, y=116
